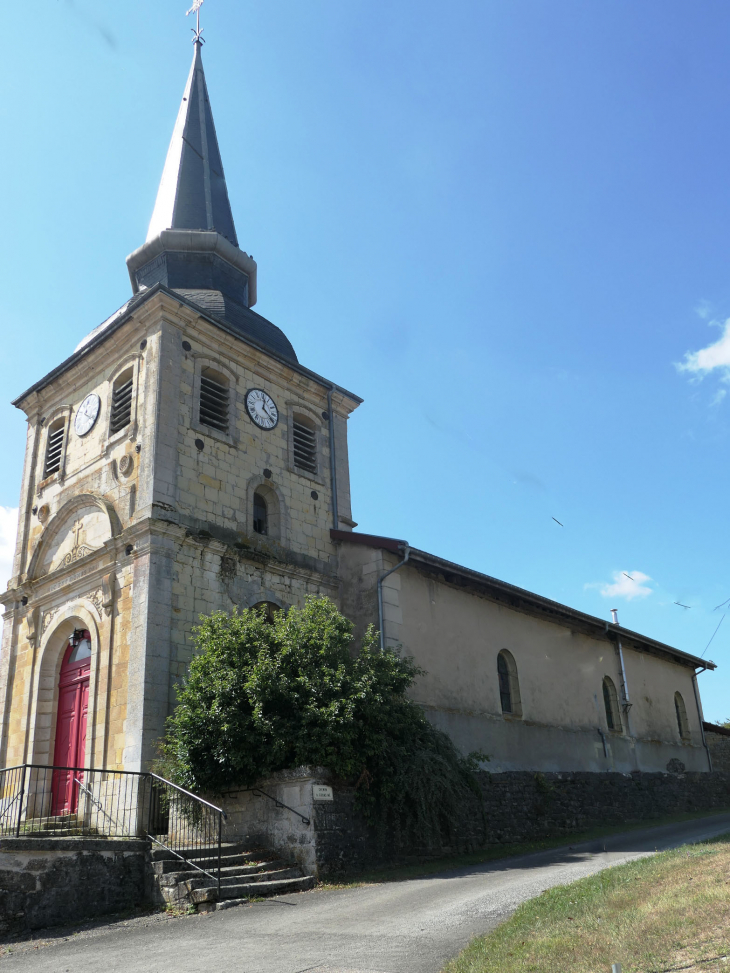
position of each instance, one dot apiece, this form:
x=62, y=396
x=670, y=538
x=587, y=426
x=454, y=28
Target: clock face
x=262, y=409
x=87, y=415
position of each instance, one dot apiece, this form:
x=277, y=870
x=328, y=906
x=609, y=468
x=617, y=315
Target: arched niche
x=277, y=518
x=81, y=526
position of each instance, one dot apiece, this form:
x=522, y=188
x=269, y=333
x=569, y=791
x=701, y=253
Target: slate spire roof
x=193, y=193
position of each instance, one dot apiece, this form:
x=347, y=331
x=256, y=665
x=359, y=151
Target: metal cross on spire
x=195, y=9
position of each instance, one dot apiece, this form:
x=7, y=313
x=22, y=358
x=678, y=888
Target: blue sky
x=505, y=225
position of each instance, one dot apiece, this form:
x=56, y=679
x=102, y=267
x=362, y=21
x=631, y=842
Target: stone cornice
x=225, y=542
x=29, y=400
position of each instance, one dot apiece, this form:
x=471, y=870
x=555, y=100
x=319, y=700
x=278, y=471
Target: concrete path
x=399, y=927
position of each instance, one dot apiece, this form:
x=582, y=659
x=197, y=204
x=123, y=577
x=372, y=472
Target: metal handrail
x=216, y=878
x=80, y=770
x=199, y=835
x=182, y=790
x=257, y=792
x=17, y=797
x=217, y=810
x=96, y=803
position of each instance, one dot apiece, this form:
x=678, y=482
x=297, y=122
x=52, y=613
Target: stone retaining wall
x=518, y=806
x=49, y=881
x=718, y=740
x=525, y=806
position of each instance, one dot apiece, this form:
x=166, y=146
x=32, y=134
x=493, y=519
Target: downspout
x=381, y=579
x=333, y=462
x=624, y=682
x=698, y=704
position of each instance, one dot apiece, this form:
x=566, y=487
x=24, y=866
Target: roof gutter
x=521, y=600
x=562, y=614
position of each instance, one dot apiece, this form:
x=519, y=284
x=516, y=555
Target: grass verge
x=418, y=869
x=655, y=915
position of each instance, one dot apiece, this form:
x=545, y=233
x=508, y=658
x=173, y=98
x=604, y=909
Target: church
x=182, y=460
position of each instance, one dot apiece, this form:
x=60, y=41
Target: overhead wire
x=713, y=635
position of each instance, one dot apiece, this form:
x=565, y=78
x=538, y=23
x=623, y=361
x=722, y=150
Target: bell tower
x=180, y=461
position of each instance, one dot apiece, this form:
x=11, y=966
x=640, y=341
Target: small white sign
x=322, y=793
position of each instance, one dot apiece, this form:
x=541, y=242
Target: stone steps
x=248, y=857
x=256, y=878
x=203, y=896
x=66, y=825
x=167, y=867
x=246, y=871
x=200, y=880
x=234, y=849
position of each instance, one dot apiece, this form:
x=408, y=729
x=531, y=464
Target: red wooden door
x=73, y=707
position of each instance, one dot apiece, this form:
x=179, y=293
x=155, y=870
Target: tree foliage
x=262, y=697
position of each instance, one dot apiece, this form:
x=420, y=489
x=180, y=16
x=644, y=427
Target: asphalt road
x=399, y=927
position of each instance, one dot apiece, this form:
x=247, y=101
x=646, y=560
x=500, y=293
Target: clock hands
x=87, y=414
x=262, y=409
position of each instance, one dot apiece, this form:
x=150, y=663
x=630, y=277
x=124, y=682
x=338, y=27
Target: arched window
x=54, y=447
x=509, y=686
x=305, y=445
x=260, y=514
x=121, y=410
x=682, y=723
x=214, y=400
x=610, y=701
x=265, y=510
x=80, y=647
x=269, y=609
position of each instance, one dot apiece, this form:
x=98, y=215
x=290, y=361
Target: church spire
x=192, y=249
x=193, y=193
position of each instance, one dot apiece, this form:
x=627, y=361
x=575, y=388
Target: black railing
x=38, y=800
x=185, y=824
x=257, y=792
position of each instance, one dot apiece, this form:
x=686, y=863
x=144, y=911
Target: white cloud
x=625, y=584
x=8, y=530
x=703, y=309
x=706, y=360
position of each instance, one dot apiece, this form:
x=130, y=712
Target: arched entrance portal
x=73, y=707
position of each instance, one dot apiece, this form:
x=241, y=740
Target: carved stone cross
x=76, y=529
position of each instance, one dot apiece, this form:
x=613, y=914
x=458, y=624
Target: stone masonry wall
x=46, y=882
x=718, y=740
x=521, y=807
x=524, y=806
x=518, y=807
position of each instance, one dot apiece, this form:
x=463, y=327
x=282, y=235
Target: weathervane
x=195, y=9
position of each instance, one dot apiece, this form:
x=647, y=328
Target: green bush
x=262, y=697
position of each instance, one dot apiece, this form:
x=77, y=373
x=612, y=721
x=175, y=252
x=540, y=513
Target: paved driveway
x=400, y=927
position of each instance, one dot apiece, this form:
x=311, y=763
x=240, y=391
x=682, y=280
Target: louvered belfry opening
x=121, y=414
x=214, y=393
x=305, y=445
x=54, y=447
